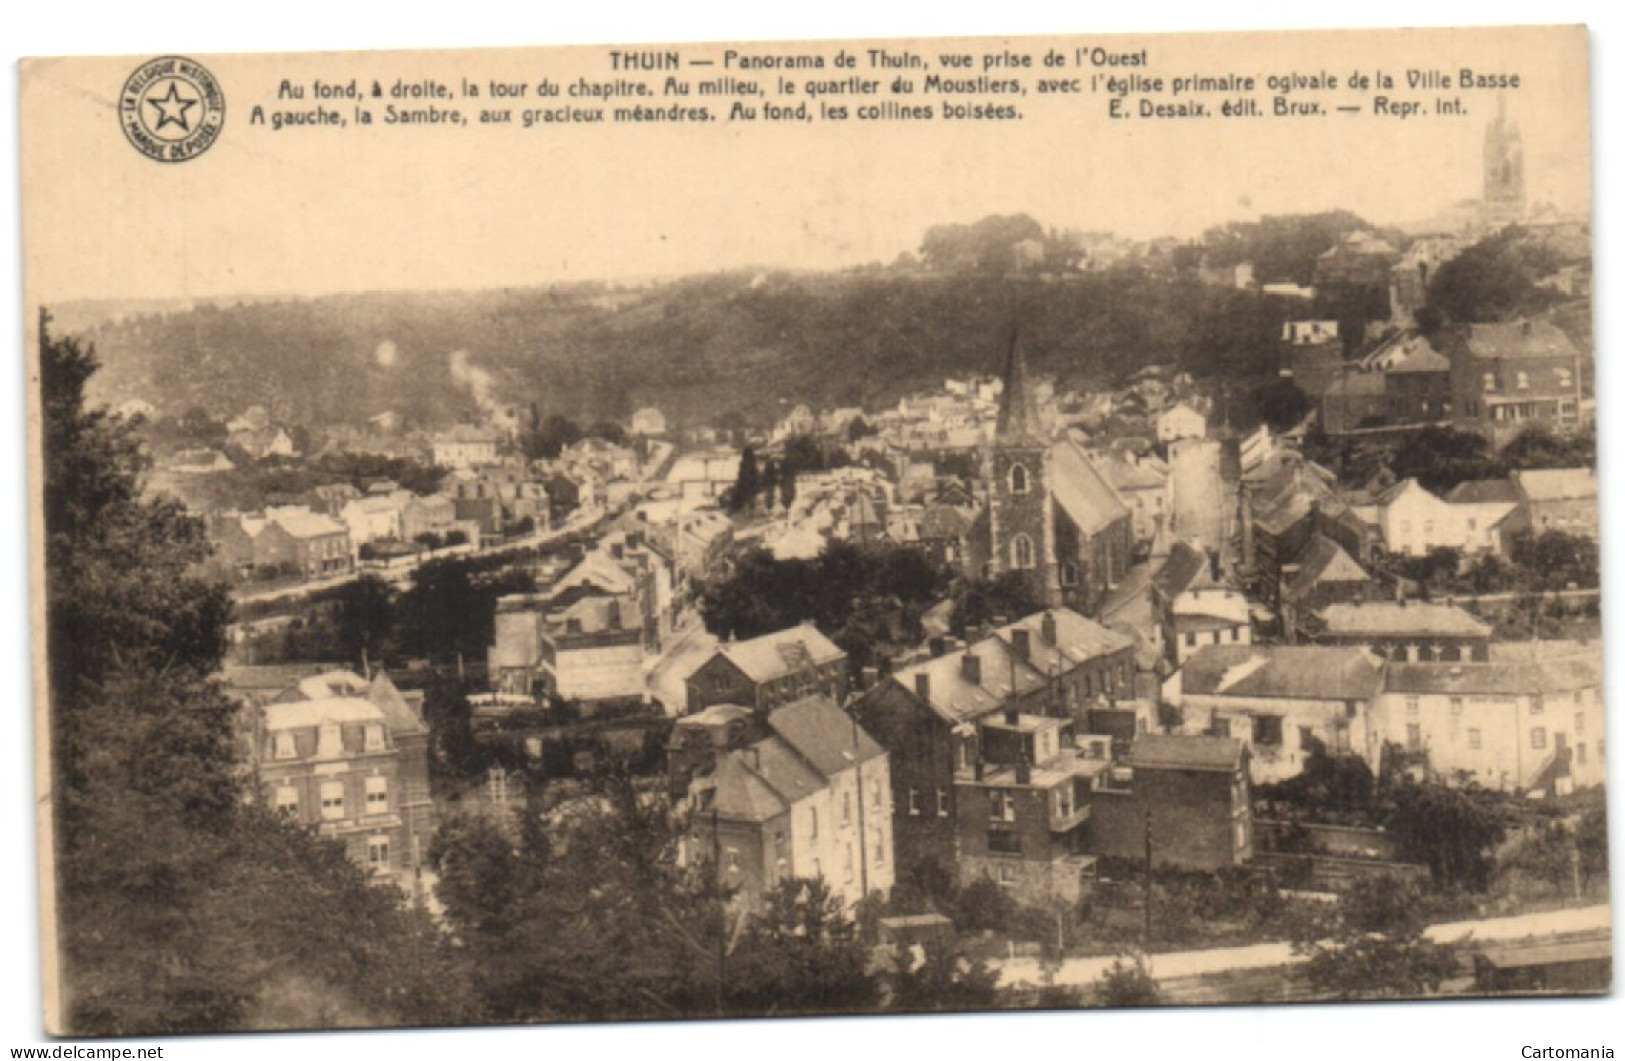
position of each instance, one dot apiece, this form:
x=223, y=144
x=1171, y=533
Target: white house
x=1530, y=719
x=1180, y=421
x=1413, y=520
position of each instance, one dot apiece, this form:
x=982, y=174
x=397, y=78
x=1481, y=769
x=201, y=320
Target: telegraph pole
x=1147, y=878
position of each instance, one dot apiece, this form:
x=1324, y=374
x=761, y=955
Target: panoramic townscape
x=1043, y=619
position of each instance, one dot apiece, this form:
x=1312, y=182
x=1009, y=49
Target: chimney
x=1047, y=628
x=971, y=667
x=1021, y=644
x=1012, y=716
x=922, y=686
x=981, y=769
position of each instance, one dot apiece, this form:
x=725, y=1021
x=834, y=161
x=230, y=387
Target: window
x=1580, y=753
x=875, y=790
x=1001, y=805
x=1007, y=874
x=1537, y=737
x=1455, y=705
x=284, y=747
x=1413, y=736
x=1003, y=842
x=1565, y=378
x=733, y=860
x=375, y=738
x=332, y=800
x=1306, y=738
x=1267, y=729
x=1069, y=573
x=1190, y=639
x=848, y=862
x=377, y=795
x=496, y=786
x=846, y=808
x=1489, y=381
x=287, y=799
x=329, y=742
x=1523, y=381
x=1019, y=480
x=1537, y=705
x=942, y=803
x=1021, y=553
x=1413, y=706
x=378, y=852
x=1579, y=723
x=812, y=823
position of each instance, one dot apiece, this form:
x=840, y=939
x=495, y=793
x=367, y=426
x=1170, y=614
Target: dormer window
x=1020, y=481
x=375, y=737
x=1489, y=381
x=329, y=742
x=283, y=746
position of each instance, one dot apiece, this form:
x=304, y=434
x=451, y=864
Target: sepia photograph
x=815, y=527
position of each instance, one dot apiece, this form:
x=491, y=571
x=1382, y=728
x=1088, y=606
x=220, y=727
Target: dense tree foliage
x=181, y=906
x=1494, y=280
x=1282, y=248
x=1127, y=983
x=982, y=602
x=1371, y=944
x=1452, y=831
x=863, y=599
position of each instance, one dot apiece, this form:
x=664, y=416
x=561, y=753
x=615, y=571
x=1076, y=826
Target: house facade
x=767, y=672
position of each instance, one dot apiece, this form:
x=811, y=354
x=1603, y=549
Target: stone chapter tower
x=1021, y=520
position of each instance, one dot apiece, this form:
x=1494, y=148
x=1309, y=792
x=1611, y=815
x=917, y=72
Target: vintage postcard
x=843, y=527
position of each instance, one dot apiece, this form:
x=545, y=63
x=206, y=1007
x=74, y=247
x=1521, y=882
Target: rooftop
x=1181, y=752
x=1420, y=618
x=772, y=656
x=1518, y=339
x=1302, y=672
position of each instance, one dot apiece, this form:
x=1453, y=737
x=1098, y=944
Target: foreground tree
x=1371, y=945
x=1128, y=983
x=183, y=907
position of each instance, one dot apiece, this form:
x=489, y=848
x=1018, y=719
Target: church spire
x=1018, y=408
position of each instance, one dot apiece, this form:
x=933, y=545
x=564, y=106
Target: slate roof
x=1081, y=491
x=1297, y=672
x=1483, y=491
x=307, y=524
x=1560, y=675
x=824, y=735
x=388, y=699
x=772, y=656
x=1517, y=339
x=1557, y=484
x=1181, y=752
x=1185, y=567
x=1421, y=357
x=1401, y=619
x=1323, y=561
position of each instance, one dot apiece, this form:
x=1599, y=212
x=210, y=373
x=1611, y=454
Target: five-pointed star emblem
x=172, y=108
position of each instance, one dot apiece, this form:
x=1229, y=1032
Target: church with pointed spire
x=1504, y=197
x=1051, y=516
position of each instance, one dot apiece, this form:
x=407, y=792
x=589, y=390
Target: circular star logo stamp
x=171, y=109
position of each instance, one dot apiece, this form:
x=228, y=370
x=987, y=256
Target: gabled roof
x=772, y=656
x=1402, y=618
x=1517, y=339
x=1299, y=672
x=1077, y=640
x=1323, y=561
x=1185, y=567
x=1081, y=491
x=306, y=524
x=300, y=714
x=1557, y=484
x=1483, y=491
x=397, y=713
x=1543, y=678
x=1421, y=357
x=824, y=735
x=736, y=791
x=1182, y=752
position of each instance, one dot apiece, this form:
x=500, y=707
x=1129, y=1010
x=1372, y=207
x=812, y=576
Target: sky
x=314, y=211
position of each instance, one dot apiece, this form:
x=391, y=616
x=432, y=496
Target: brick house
x=1191, y=793
x=803, y=792
x=1507, y=377
x=350, y=757
x=767, y=672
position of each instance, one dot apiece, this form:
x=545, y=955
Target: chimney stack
x=1012, y=716
x=971, y=667
x=1047, y=629
x=922, y=686
x=1021, y=644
